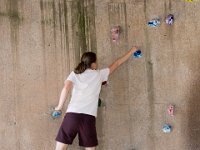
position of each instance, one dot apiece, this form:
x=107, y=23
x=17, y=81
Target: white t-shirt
x=86, y=89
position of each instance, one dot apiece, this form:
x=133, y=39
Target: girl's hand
x=58, y=108
x=134, y=48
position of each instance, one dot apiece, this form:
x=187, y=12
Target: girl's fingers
x=57, y=108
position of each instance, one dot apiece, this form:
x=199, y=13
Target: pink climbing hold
x=170, y=110
x=115, y=31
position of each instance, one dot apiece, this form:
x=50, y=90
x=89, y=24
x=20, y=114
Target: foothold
x=167, y=128
x=115, y=31
x=170, y=110
x=137, y=54
x=104, y=83
x=169, y=19
x=56, y=113
x=99, y=103
x=154, y=23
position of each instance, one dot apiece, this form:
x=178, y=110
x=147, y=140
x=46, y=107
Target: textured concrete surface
x=42, y=41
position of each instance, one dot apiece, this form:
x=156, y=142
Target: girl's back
x=86, y=89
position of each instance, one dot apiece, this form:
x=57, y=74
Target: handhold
x=154, y=23
x=167, y=128
x=104, y=83
x=115, y=31
x=170, y=110
x=169, y=19
x=189, y=0
x=137, y=54
x=99, y=103
x=56, y=113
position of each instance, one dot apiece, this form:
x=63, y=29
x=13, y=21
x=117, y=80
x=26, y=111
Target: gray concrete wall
x=42, y=41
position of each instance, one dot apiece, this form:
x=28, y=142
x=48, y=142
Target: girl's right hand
x=57, y=108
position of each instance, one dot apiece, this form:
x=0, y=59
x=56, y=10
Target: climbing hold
x=115, y=31
x=99, y=103
x=170, y=110
x=154, y=23
x=137, y=54
x=167, y=128
x=189, y=0
x=56, y=113
x=169, y=19
x=104, y=83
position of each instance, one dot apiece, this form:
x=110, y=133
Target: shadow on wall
x=194, y=109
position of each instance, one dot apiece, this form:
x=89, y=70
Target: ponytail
x=80, y=68
x=86, y=61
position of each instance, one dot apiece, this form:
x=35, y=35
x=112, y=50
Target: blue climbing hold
x=137, y=54
x=56, y=113
x=154, y=23
x=167, y=128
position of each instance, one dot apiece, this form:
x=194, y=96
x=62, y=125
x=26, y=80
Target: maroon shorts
x=82, y=124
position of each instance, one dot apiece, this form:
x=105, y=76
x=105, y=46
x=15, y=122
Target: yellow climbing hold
x=189, y=0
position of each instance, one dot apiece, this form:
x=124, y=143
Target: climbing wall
x=42, y=41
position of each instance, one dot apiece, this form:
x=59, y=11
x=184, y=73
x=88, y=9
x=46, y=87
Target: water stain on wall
x=150, y=82
x=67, y=29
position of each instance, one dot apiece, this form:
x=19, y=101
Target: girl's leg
x=61, y=146
x=90, y=148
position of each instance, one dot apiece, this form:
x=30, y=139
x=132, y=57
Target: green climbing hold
x=99, y=103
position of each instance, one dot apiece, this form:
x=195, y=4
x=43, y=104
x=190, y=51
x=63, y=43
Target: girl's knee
x=61, y=146
x=90, y=148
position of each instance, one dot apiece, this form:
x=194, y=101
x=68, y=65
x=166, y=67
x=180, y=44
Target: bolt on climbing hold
x=189, y=0
x=154, y=23
x=167, y=128
x=169, y=19
x=115, y=31
x=56, y=113
x=137, y=54
x=170, y=110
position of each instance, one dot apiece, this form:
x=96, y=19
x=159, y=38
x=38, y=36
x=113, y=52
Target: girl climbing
x=80, y=118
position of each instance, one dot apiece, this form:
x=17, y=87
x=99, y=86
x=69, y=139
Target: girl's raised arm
x=122, y=59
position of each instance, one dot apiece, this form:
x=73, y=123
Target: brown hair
x=86, y=61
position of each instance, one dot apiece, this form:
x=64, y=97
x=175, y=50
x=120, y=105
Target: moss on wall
x=12, y=15
x=82, y=25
